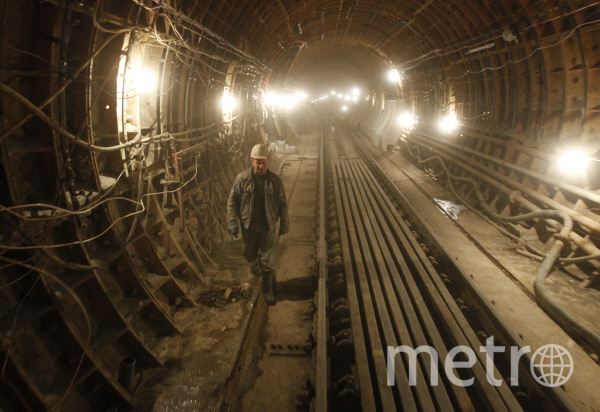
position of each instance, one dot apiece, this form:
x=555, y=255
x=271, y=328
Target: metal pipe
x=584, y=220
x=581, y=242
x=587, y=194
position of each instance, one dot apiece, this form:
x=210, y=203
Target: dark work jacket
x=241, y=200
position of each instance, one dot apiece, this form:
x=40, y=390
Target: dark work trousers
x=261, y=244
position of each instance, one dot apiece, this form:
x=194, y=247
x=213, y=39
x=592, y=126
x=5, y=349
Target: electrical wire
x=288, y=45
x=79, y=242
x=422, y=59
x=468, y=72
x=59, y=90
x=230, y=49
x=221, y=41
x=3, y=270
x=450, y=176
x=587, y=6
x=98, y=26
x=37, y=56
x=195, y=50
x=107, y=261
x=75, y=73
x=138, y=140
x=14, y=322
x=66, y=212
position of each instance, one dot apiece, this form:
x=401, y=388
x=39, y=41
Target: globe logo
x=551, y=365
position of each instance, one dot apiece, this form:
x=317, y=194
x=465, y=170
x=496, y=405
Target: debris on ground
x=219, y=295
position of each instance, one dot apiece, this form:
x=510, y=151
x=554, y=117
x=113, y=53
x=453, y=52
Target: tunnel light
x=333, y=92
x=448, y=124
x=355, y=91
x=144, y=81
x=229, y=103
x=355, y=98
x=300, y=96
x=393, y=75
x=573, y=161
x=344, y=108
x=270, y=99
x=407, y=120
x=287, y=103
x=346, y=97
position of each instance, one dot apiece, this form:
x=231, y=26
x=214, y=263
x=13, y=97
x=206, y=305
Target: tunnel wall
x=114, y=192
x=379, y=121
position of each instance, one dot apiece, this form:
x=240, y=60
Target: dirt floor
x=202, y=370
x=284, y=374
x=198, y=363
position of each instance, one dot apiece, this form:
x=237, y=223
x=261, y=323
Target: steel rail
x=439, y=298
x=322, y=328
x=369, y=247
x=410, y=298
x=349, y=239
x=371, y=287
x=365, y=383
x=554, y=398
x=391, y=301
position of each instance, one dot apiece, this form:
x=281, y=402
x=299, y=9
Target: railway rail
x=385, y=282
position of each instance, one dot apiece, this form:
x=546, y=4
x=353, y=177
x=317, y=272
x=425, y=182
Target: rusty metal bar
x=444, y=304
x=373, y=331
x=371, y=288
x=360, y=348
x=378, y=249
x=401, y=275
x=322, y=380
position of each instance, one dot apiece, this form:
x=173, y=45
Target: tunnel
x=441, y=164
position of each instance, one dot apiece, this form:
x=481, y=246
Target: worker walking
x=258, y=201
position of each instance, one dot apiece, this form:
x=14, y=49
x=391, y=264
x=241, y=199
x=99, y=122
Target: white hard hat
x=260, y=151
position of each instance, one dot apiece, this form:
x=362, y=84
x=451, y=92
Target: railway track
x=400, y=326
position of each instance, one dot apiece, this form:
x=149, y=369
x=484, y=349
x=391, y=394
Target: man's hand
x=283, y=230
x=233, y=229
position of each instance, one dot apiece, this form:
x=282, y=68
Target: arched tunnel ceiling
x=364, y=37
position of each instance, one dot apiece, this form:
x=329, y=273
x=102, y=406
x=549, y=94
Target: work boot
x=255, y=268
x=267, y=278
